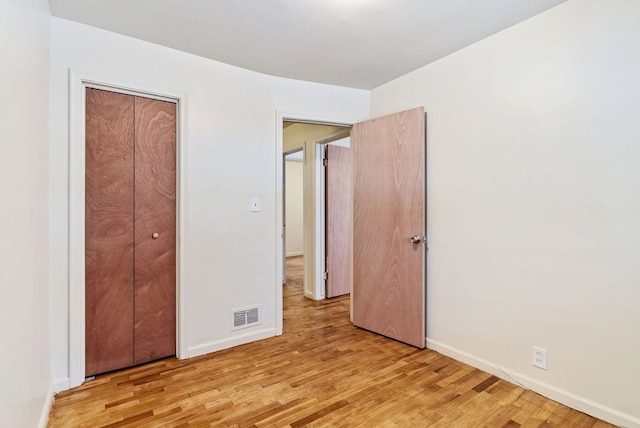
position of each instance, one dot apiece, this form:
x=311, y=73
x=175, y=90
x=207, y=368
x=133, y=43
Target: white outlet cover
x=539, y=357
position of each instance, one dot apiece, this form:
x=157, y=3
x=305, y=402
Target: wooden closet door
x=155, y=213
x=108, y=231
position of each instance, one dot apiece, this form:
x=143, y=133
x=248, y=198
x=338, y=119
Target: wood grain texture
x=388, y=208
x=108, y=231
x=338, y=215
x=155, y=212
x=321, y=372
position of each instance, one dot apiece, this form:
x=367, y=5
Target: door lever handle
x=416, y=239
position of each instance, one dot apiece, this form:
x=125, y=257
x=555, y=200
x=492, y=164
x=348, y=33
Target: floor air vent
x=245, y=317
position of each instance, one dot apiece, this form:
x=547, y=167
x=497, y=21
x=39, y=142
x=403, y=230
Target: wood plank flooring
x=321, y=372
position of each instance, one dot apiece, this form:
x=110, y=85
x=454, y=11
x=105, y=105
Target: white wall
x=293, y=208
x=295, y=135
x=24, y=272
x=230, y=155
x=534, y=201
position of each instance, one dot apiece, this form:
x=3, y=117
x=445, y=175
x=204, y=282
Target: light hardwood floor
x=321, y=372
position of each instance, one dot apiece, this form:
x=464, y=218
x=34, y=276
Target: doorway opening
x=293, y=209
x=304, y=192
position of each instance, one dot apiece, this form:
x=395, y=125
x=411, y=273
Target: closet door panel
x=155, y=230
x=109, y=231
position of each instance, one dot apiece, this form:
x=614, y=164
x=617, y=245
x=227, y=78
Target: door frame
x=281, y=117
x=78, y=83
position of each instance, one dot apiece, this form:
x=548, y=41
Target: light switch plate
x=255, y=204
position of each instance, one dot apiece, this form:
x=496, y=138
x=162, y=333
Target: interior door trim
x=78, y=82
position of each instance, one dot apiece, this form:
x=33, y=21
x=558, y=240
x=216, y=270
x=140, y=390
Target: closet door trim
x=78, y=83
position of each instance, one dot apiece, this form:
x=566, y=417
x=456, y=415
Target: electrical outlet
x=540, y=358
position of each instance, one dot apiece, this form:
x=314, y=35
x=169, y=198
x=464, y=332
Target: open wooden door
x=388, y=156
x=338, y=220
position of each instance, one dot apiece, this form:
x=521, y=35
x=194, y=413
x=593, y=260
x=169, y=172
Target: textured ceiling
x=355, y=43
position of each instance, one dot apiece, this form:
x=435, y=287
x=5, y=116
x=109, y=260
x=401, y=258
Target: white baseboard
x=241, y=339
x=46, y=408
x=309, y=295
x=61, y=384
x=295, y=254
x=561, y=396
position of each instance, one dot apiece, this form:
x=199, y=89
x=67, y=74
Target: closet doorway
x=130, y=230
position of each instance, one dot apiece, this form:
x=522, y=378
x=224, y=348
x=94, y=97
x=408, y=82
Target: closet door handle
x=155, y=235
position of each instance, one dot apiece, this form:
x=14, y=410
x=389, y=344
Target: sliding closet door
x=155, y=230
x=109, y=230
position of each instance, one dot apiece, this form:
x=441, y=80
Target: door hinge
x=325, y=275
x=325, y=162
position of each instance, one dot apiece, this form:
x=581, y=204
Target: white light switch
x=255, y=204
